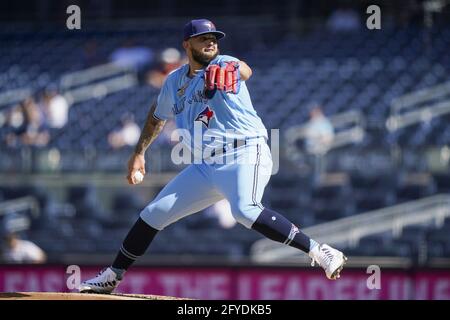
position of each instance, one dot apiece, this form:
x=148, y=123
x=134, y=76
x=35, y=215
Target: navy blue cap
x=201, y=26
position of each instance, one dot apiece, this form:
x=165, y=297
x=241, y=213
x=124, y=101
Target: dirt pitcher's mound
x=78, y=296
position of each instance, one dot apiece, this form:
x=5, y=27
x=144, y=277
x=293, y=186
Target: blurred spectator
x=169, y=60
x=16, y=250
x=127, y=135
x=319, y=138
x=56, y=108
x=131, y=55
x=344, y=19
x=28, y=122
x=319, y=132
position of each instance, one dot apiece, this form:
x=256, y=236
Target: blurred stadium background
x=379, y=191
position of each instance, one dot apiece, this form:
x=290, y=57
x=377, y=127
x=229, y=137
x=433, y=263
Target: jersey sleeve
x=225, y=58
x=164, y=103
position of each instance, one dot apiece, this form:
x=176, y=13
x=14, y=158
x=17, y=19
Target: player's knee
x=155, y=215
x=245, y=214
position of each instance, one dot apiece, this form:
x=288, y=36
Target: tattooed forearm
x=151, y=130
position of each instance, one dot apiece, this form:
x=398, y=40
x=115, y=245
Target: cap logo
x=201, y=26
x=209, y=25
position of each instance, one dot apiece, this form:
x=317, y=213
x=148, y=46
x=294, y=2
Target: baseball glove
x=223, y=77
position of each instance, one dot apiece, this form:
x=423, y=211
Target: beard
x=202, y=58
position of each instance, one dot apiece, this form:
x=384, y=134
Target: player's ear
x=186, y=45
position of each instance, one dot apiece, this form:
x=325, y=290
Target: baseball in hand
x=138, y=176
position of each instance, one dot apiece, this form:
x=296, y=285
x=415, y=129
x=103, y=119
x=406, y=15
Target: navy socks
x=135, y=244
x=269, y=223
x=276, y=227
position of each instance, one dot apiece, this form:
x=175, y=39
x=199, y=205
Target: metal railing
x=11, y=209
x=13, y=96
x=97, y=82
x=64, y=180
x=20, y=204
x=348, y=126
x=348, y=231
x=419, y=106
x=101, y=89
x=77, y=78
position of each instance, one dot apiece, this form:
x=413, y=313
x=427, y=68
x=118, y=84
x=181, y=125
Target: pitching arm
x=149, y=133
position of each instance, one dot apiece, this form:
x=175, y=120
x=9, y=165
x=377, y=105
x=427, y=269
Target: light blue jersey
x=224, y=117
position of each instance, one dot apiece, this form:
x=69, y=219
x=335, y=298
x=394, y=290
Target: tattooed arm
x=149, y=133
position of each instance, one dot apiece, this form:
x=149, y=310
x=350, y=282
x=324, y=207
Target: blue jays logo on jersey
x=205, y=116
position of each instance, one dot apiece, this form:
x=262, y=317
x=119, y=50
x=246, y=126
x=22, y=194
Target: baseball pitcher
x=210, y=103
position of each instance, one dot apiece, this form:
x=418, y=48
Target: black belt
x=236, y=144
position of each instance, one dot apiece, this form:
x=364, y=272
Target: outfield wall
x=253, y=283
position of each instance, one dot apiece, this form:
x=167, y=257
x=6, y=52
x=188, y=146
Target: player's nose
x=211, y=41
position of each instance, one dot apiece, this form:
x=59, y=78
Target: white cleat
x=330, y=259
x=105, y=282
